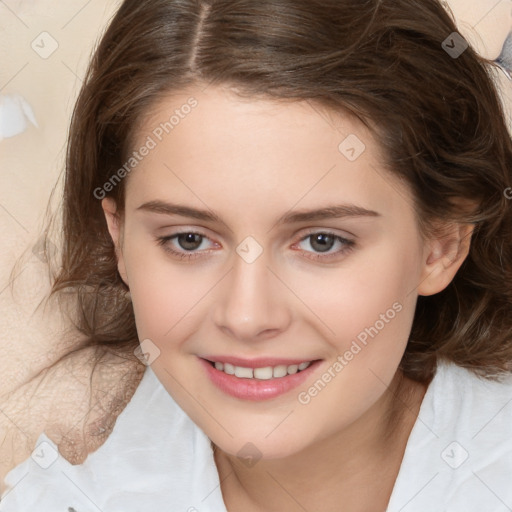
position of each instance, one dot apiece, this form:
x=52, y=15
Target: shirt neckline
x=148, y=381
x=416, y=435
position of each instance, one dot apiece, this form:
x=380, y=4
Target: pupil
x=188, y=241
x=325, y=242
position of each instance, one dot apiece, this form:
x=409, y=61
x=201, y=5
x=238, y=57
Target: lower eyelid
x=338, y=238
x=346, y=243
x=346, y=246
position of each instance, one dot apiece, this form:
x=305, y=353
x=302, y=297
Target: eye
x=188, y=243
x=323, y=241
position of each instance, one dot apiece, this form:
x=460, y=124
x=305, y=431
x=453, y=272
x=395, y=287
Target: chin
x=257, y=447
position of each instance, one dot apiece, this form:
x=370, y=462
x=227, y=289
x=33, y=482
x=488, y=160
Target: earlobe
x=444, y=256
x=113, y=223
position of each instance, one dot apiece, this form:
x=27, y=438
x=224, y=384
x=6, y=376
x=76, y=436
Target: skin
x=251, y=161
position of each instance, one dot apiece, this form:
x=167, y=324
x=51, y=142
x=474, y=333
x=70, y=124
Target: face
x=260, y=282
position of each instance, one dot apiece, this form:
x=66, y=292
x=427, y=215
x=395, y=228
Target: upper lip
x=259, y=362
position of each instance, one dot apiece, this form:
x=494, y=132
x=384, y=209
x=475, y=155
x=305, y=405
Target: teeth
x=268, y=372
x=263, y=373
x=293, y=368
x=229, y=369
x=280, y=371
x=244, y=373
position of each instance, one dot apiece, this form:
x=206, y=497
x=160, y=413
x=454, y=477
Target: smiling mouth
x=257, y=379
x=263, y=373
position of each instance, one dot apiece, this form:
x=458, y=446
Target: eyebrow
x=328, y=212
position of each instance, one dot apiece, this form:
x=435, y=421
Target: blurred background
x=45, y=46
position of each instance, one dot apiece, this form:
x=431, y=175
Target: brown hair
x=437, y=117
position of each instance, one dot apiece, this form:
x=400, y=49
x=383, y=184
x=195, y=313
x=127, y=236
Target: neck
x=334, y=470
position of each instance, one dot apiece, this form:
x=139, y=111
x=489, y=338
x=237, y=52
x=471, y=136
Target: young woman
x=293, y=220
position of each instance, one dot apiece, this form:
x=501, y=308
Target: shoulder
x=473, y=411
x=466, y=414
x=466, y=388
x=461, y=445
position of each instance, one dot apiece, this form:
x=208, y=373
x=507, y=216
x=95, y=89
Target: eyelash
x=348, y=245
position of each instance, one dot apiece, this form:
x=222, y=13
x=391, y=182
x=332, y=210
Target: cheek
x=370, y=311
x=372, y=291
x=337, y=306
x=165, y=295
x=366, y=299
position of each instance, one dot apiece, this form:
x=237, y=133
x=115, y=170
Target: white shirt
x=458, y=457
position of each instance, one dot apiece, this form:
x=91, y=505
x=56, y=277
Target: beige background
x=31, y=162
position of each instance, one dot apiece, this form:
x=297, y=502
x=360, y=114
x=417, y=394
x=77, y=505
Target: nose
x=253, y=303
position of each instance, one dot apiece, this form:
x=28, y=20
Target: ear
x=443, y=257
x=115, y=229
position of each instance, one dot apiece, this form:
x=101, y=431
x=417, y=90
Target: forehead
x=230, y=114
x=213, y=144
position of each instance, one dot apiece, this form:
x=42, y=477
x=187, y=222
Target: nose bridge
x=250, y=302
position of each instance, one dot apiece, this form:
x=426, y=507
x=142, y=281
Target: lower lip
x=255, y=389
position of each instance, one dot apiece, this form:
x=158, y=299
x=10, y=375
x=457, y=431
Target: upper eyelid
x=311, y=231
x=303, y=236
x=303, y=232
